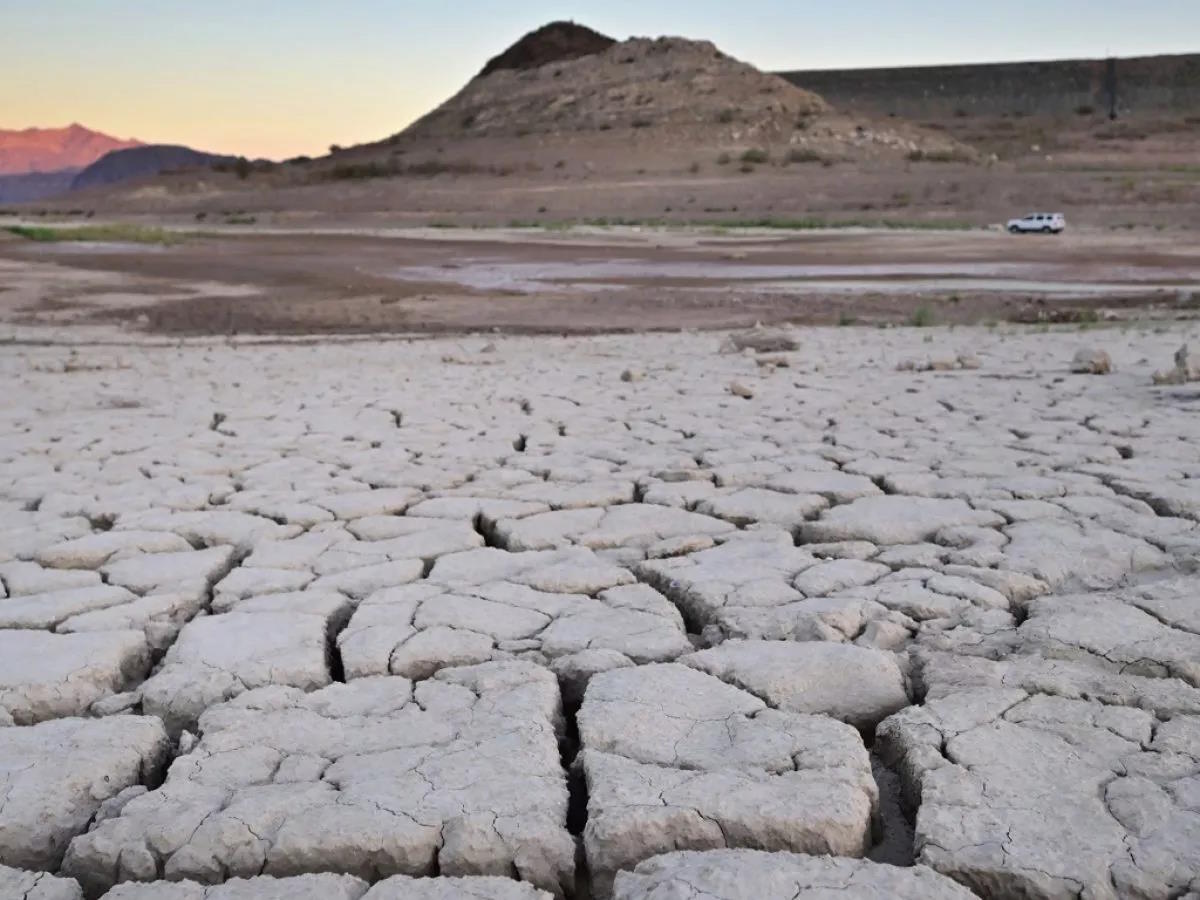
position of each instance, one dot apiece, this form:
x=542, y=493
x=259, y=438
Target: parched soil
x=551, y=607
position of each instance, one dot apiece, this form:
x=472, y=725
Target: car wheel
x=1047, y=230
x=1013, y=229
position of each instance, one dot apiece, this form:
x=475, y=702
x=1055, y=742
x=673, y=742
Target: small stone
x=1185, y=370
x=187, y=742
x=762, y=340
x=1089, y=361
x=774, y=361
x=739, y=389
x=117, y=704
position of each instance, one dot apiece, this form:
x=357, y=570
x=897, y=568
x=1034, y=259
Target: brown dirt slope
x=551, y=43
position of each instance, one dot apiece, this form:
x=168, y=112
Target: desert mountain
x=565, y=82
x=141, y=162
x=53, y=149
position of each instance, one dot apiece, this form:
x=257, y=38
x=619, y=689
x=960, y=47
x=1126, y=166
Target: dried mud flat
x=608, y=616
x=363, y=279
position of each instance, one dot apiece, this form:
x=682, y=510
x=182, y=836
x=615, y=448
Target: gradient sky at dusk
x=280, y=77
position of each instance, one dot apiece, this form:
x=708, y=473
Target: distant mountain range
x=54, y=149
x=138, y=162
x=40, y=163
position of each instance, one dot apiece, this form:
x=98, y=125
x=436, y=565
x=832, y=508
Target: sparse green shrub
x=846, y=318
x=804, y=155
x=726, y=116
x=756, y=156
x=936, y=156
x=395, y=167
x=922, y=317
x=359, y=171
x=118, y=232
x=724, y=159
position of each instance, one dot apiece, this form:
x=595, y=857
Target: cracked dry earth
x=576, y=618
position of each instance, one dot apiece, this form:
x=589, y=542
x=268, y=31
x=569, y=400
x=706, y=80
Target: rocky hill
x=54, y=149
x=666, y=92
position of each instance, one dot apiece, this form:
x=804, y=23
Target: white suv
x=1045, y=223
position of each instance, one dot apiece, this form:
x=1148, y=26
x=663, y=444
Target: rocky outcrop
x=556, y=42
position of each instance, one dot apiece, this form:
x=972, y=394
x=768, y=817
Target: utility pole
x=1110, y=86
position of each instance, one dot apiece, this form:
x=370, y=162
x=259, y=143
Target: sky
x=277, y=78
